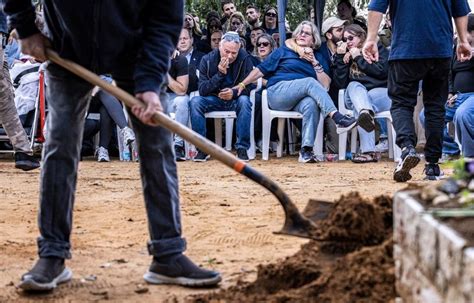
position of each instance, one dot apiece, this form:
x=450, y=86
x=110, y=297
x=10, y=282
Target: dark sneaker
x=432, y=172
x=181, y=271
x=409, y=159
x=306, y=155
x=46, y=275
x=242, y=154
x=25, y=162
x=344, y=123
x=179, y=153
x=201, y=157
x=366, y=120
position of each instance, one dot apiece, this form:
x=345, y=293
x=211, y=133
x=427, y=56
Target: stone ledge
x=432, y=263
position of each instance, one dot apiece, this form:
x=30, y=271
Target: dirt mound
x=353, y=264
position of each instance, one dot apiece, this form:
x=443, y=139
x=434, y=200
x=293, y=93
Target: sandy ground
x=227, y=220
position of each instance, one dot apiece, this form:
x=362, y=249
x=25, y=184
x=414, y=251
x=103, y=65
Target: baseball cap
x=332, y=22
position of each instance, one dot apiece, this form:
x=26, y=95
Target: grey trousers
x=68, y=98
x=8, y=114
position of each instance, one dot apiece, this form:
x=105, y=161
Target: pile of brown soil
x=353, y=264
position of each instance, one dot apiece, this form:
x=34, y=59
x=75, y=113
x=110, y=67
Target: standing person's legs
x=161, y=192
x=403, y=82
x=11, y=122
x=68, y=101
x=435, y=94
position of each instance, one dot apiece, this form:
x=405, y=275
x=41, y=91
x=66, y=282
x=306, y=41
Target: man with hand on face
x=219, y=71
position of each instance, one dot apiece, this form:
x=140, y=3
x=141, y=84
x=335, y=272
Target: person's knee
x=243, y=102
x=182, y=102
x=354, y=84
x=196, y=103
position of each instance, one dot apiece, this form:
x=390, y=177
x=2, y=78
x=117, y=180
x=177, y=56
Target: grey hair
x=314, y=31
x=230, y=37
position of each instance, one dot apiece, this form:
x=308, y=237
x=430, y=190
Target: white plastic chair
x=229, y=117
x=268, y=115
x=394, y=151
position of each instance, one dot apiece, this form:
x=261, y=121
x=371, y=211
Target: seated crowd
x=216, y=66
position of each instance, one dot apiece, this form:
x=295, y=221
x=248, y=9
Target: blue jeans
x=284, y=95
x=450, y=147
x=179, y=105
x=464, y=121
x=68, y=98
x=357, y=98
x=242, y=106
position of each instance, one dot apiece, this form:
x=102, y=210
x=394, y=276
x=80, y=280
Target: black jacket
x=211, y=80
x=129, y=38
x=370, y=75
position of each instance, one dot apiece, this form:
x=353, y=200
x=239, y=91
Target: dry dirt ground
x=227, y=220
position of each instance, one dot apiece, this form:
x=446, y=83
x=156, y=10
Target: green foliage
x=297, y=11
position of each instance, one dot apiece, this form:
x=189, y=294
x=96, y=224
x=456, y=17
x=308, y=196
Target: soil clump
x=351, y=261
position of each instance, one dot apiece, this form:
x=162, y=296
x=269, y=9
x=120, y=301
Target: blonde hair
x=314, y=32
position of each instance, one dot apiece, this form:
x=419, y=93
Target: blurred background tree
x=297, y=10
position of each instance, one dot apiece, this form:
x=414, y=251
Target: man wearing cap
x=332, y=30
x=219, y=71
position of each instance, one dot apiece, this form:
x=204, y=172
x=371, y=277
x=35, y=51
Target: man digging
x=132, y=41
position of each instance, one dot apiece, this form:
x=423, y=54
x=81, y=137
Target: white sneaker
x=103, y=154
x=382, y=147
x=128, y=135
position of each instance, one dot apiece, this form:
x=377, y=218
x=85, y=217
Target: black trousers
x=403, y=83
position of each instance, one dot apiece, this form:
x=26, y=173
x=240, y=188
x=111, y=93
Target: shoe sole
x=301, y=160
x=154, y=278
x=26, y=165
x=180, y=159
x=201, y=160
x=32, y=285
x=402, y=172
x=366, y=121
x=341, y=130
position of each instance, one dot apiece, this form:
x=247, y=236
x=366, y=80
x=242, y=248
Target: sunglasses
x=264, y=44
x=188, y=19
x=270, y=14
x=348, y=38
x=236, y=23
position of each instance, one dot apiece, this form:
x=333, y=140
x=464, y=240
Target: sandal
x=365, y=158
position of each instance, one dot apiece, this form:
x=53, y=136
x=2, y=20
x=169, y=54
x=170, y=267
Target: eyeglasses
x=264, y=44
x=236, y=23
x=270, y=14
x=188, y=19
x=348, y=38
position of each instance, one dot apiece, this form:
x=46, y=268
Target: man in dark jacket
x=133, y=41
x=8, y=114
x=219, y=71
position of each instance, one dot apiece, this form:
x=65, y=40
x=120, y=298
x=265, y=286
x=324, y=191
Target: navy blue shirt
x=421, y=28
x=3, y=20
x=283, y=64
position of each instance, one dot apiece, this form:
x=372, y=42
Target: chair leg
x=319, y=142
x=354, y=134
x=218, y=131
x=342, y=146
x=229, y=127
x=266, y=129
x=281, y=136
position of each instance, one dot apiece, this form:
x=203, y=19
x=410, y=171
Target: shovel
x=295, y=224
